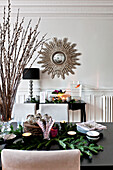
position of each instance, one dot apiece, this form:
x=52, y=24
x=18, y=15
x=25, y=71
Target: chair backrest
x=58, y=112
x=21, y=110
x=40, y=160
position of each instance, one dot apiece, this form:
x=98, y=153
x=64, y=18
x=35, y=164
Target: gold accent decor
x=59, y=57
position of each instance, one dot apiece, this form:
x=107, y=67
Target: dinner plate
x=85, y=130
x=9, y=136
x=79, y=129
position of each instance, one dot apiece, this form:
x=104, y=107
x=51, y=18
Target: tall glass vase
x=6, y=108
x=5, y=122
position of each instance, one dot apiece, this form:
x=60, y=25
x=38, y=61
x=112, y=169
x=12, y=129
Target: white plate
x=9, y=136
x=79, y=129
x=90, y=125
x=93, y=134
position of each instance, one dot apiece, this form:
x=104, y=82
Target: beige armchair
x=40, y=160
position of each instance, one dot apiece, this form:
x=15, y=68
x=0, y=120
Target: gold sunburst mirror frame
x=59, y=57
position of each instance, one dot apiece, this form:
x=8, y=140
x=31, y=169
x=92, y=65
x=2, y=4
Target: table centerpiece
x=62, y=141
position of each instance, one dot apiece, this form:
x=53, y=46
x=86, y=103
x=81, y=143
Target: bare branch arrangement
x=16, y=51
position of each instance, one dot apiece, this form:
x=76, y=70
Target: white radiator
x=107, y=108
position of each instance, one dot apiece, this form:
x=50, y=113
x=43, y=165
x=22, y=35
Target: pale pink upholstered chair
x=40, y=160
x=58, y=112
x=21, y=110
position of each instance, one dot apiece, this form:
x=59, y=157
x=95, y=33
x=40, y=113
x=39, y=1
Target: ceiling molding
x=73, y=8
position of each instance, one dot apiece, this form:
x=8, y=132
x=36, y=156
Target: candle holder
x=68, y=99
x=63, y=99
x=63, y=124
x=54, y=132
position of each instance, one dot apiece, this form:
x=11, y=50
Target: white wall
x=89, y=24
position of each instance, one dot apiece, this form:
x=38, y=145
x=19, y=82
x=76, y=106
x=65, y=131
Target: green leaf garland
x=63, y=140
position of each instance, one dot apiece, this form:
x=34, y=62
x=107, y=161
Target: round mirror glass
x=58, y=58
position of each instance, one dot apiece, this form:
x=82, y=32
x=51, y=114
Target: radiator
x=107, y=108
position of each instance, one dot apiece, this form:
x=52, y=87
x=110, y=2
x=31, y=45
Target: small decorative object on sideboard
x=32, y=100
x=58, y=92
x=66, y=97
x=42, y=97
x=60, y=95
x=76, y=90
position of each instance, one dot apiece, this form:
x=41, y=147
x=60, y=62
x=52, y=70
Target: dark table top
x=104, y=158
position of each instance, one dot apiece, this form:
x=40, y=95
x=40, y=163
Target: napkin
x=91, y=125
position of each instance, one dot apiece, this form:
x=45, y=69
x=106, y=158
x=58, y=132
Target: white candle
x=26, y=134
x=71, y=133
x=63, y=99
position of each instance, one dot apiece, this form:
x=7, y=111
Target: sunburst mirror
x=59, y=57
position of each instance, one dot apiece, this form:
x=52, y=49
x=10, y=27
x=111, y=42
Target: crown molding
x=61, y=8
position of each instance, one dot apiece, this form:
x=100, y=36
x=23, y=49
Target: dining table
x=104, y=159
